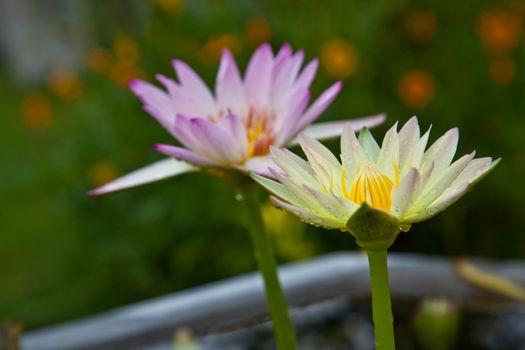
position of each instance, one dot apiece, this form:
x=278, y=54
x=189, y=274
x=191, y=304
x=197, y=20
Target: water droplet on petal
x=405, y=227
x=238, y=197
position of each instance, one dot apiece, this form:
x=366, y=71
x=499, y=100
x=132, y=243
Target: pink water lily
x=235, y=128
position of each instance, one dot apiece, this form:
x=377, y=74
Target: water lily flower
x=399, y=180
x=235, y=128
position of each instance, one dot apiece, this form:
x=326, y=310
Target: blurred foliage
x=64, y=255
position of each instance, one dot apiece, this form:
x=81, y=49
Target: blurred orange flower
x=64, y=84
x=126, y=48
x=103, y=172
x=416, y=88
x=211, y=51
x=421, y=26
x=37, y=111
x=173, y=6
x=339, y=58
x=500, y=31
x=257, y=31
x=99, y=60
x=122, y=72
x=502, y=70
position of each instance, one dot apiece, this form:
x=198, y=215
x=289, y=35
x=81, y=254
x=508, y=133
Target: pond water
x=343, y=324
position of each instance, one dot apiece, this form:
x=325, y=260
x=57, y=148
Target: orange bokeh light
x=421, y=26
x=500, y=31
x=99, y=60
x=339, y=58
x=416, y=88
x=37, y=111
x=64, y=84
x=257, y=31
x=103, y=172
x=211, y=51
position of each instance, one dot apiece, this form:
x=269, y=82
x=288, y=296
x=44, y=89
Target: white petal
x=151, y=173
x=415, y=157
x=303, y=196
x=442, y=152
x=308, y=217
x=294, y=166
x=330, y=130
x=439, y=205
x=388, y=157
x=435, y=188
x=336, y=207
x=406, y=193
x=476, y=169
x=279, y=190
x=408, y=139
x=352, y=155
x=369, y=144
x=323, y=162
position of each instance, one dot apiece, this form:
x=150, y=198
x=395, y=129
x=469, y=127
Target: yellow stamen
x=253, y=135
x=396, y=173
x=371, y=186
x=258, y=131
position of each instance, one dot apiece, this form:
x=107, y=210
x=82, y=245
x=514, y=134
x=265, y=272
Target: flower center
x=258, y=131
x=371, y=186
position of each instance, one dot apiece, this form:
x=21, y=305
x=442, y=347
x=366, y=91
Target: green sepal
x=369, y=144
x=373, y=229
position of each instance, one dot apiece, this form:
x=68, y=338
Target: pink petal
x=258, y=78
x=151, y=173
x=307, y=76
x=217, y=142
x=185, y=155
x=229, y=87
x=288, y=119
x=156, y=102
x=262, y=165
x=194, y=85
x=281, y=58
x=319, y=106
x=234, y=125
x=283, y=80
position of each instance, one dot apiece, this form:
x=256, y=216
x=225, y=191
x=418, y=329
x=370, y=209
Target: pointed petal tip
x=226, y=52
x=348, y=128
x=338, y=85
x=134, y=85
x=95, y=192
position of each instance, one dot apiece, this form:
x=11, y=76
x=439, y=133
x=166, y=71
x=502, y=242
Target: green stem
x=381, y=307
x=262, y=245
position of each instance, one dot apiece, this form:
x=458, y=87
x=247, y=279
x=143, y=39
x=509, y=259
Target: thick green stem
x=381, y=307
x=262, y=245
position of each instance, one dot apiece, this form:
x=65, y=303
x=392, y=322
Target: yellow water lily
x=399, y=180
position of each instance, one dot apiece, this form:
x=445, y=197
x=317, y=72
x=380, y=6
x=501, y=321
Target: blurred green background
x=69, y=123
